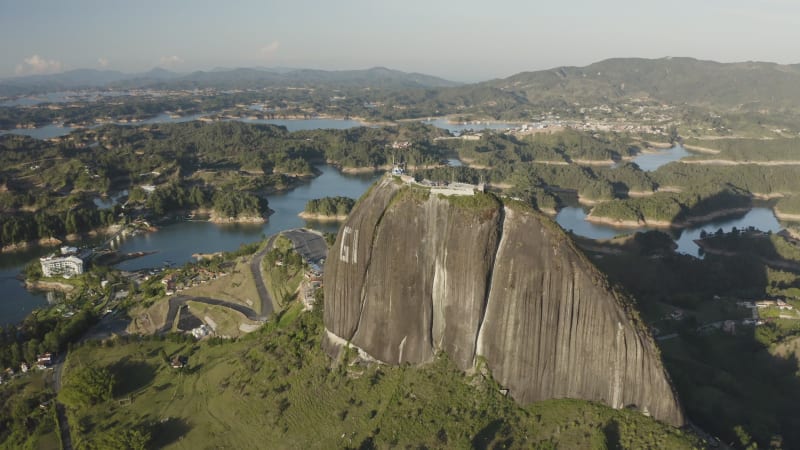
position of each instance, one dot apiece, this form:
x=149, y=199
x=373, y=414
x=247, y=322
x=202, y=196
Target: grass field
x=275, y=388
x=283, y=281
x=225, y=321
x=148, y=320
x=238, y=287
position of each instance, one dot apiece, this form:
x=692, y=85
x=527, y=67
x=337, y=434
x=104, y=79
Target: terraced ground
x=275, y=388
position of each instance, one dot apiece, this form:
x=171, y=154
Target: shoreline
x=619, y=223
x=790, y=217
x=730, y=162
x=40, y=285
x=238, y=219
x=322, y=217
x=40, y=243
x=698, y=149
x=594, y=162
x=55, y=242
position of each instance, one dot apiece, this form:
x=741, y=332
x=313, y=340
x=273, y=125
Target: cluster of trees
x=330, y=206
x=750, y=149
x=705, y=179
x=87, y=386
x=674, y=207
x=372, y=147
x=569, y=145
x=37, y=336
x=25, y=227
x=120, y=108
x=22, y=421
x=723, y=380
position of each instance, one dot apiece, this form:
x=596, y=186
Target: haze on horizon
x=461, y=41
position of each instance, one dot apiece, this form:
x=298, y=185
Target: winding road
x=308, y=244
x=176, y=302
x=268, y=305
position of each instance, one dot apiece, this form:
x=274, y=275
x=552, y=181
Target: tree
x=672, y=132
x=88, y=386
x=125, y=439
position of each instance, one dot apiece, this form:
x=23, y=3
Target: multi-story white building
x=64, y=266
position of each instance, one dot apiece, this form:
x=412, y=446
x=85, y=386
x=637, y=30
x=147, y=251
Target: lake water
x=176, y=243
x=16, y=302
x=308, y=124
x=51, y=131
x=44, y=132
x=455, y=162
x=652, y=161
x=573, y=218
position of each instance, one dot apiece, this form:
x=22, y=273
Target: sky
x=465, y=40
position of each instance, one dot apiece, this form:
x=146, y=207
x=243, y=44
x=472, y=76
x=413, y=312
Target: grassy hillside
x=276, y=386
x=674, y=80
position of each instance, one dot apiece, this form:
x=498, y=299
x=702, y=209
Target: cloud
x=170, y=60
x=37, y=65
x=102, y=62
x=269, y=49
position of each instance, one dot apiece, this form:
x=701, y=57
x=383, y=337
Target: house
x=201, y=331
x=169, y=283
x=45, y=359
x=178, y=362
x=23, y=367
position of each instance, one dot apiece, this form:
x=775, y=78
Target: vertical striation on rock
x=412, y=274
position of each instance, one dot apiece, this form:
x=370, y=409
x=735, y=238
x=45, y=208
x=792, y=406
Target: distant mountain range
x=221, y=78
x=745, y=85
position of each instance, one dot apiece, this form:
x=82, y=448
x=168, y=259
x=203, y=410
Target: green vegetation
x=47, y=188
x=749, y=149
x=330, y=206
x=87, y=386
x=672, y=207
x=23, y=422
x=284, y=269
x=411, y=193
x=479, y=201
x=270, y=387
x=43, y=332
x=277, y=386
x=728, y=382
x=789, y=205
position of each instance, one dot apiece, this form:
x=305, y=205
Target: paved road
x=61, y=412
x=268, y=305
x=176, y=302
x=308, y=244
x=66, y=437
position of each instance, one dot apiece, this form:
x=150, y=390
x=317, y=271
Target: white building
x=66, y=267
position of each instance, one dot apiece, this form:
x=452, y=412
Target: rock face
x=413, y=273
